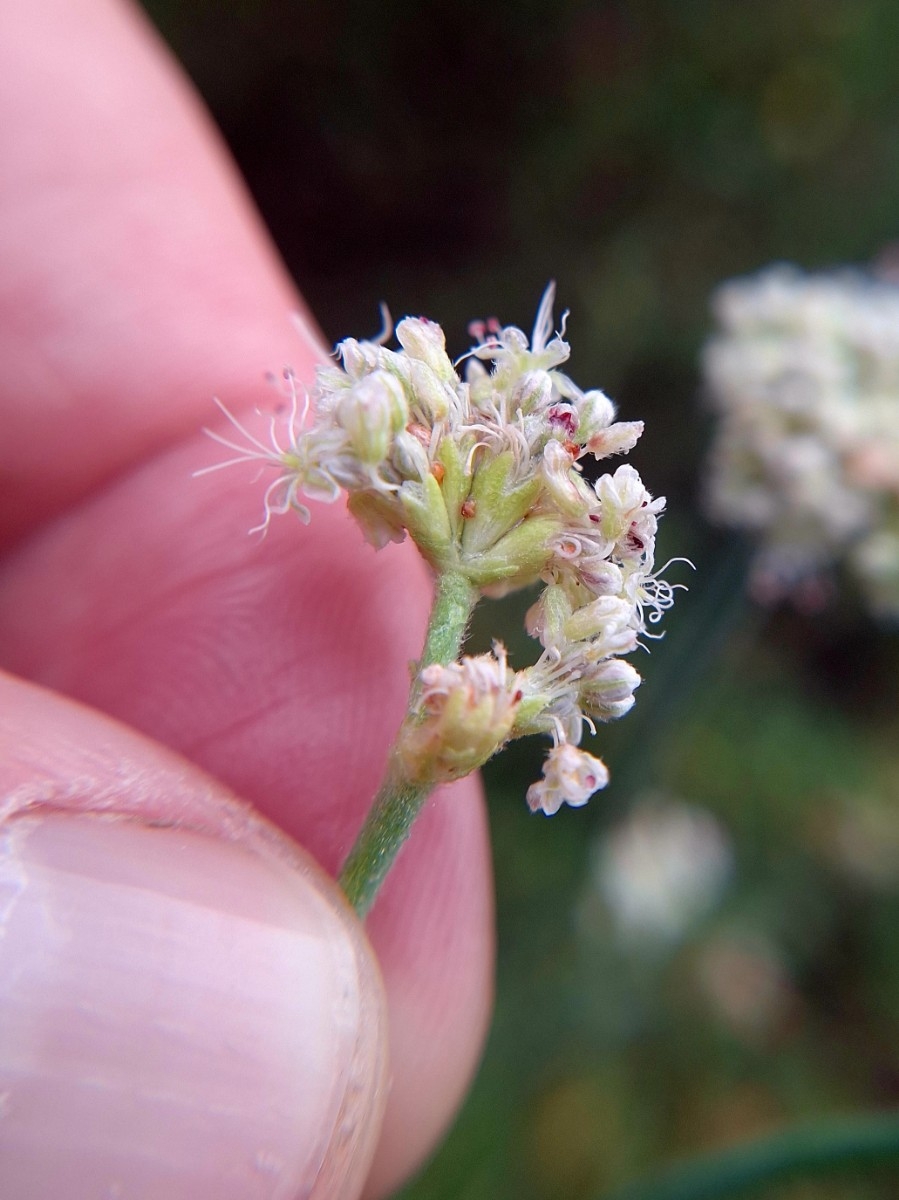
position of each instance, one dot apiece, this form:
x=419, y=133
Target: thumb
x=187, y=1005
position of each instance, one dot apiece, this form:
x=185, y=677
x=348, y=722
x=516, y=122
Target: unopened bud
x=602, y=615
x=595, y=411
x=607, y=689
x=358, y=358
x=424, y=340
x=568, y=492
x=533, y=391
x=429, y=394
x=371, y=412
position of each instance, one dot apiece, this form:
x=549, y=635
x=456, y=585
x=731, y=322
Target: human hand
x=186, y=1006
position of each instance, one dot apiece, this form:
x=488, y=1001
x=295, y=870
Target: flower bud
x=371, y=412
x=409, y=456
x=570, y=776
x=566, y=490
x=603, y=578
x=617, y=439
x=430, y=396
x=604, y=615
x=358, y=358
x=533, y=392
x=424, y=340
x=607, y=689
x=546, y=618
x=595, y=412
x=467, y=711
x=378, y=516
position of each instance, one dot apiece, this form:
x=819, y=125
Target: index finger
x=135, y=271
x=139, y=286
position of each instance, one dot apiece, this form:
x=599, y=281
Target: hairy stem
x=399, y=800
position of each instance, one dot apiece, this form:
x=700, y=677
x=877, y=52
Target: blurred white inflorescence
x=482, y=469
x=662, y=868
x=804, y=376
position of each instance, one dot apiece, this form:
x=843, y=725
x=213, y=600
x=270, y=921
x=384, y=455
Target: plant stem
x=821, y=1149
x=399, y=800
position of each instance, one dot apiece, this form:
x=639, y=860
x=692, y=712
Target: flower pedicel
x=483, y=471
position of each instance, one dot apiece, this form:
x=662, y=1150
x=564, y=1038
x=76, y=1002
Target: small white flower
x=607, y=689
x=371, y=412
x=570, y=776
x=804, y=376
x=424, y=340
x=628, y=513
x=484, y=474
x=465, y=714
x=570, y=495
x=663, y=868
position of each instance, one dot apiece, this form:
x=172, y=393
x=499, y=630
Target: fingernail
x=180, y=1017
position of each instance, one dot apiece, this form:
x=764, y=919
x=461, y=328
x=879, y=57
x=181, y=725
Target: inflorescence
x=804, y=376
x=483, y=471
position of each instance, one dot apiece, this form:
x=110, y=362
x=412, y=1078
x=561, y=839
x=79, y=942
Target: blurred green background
x=450, y=159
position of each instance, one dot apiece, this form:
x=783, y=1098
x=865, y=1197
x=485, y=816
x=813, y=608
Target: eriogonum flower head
x=479, y=462
x=804, y=375
x=466, y=713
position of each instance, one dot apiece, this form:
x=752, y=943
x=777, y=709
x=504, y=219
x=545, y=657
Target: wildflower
x=804, y=375
x=662, y=868
x=466, y=713
x=479, y=462
x=570, y=776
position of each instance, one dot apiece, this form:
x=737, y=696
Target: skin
x=189, y=1007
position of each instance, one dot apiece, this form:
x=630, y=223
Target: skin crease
x=136, y=284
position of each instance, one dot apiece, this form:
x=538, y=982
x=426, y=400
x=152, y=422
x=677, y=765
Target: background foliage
x=450, y=159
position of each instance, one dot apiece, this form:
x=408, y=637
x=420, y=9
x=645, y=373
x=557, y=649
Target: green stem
x=821, y=1149
x=399, y=801
x=454, y=601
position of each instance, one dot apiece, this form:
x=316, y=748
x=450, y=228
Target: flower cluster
x=483, y=470
x=804, y=374
x=662, y=868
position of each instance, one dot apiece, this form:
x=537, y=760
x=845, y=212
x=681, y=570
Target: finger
x=135, y=273
x=188, y=1007
x=272, y=663
x=146, y=209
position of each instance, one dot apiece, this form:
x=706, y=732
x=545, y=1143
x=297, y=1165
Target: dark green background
x=450, y=159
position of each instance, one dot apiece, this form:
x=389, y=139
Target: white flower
x=662, y=868
x=607, y=689
x=628, y=513
x=485, y=475
x=570, y=776
x=371, y=412
x=424, y=340
x=568, y=492
x=466, y=711
x=804, y=375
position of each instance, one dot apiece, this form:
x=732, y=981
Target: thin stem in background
x=823, y=1149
